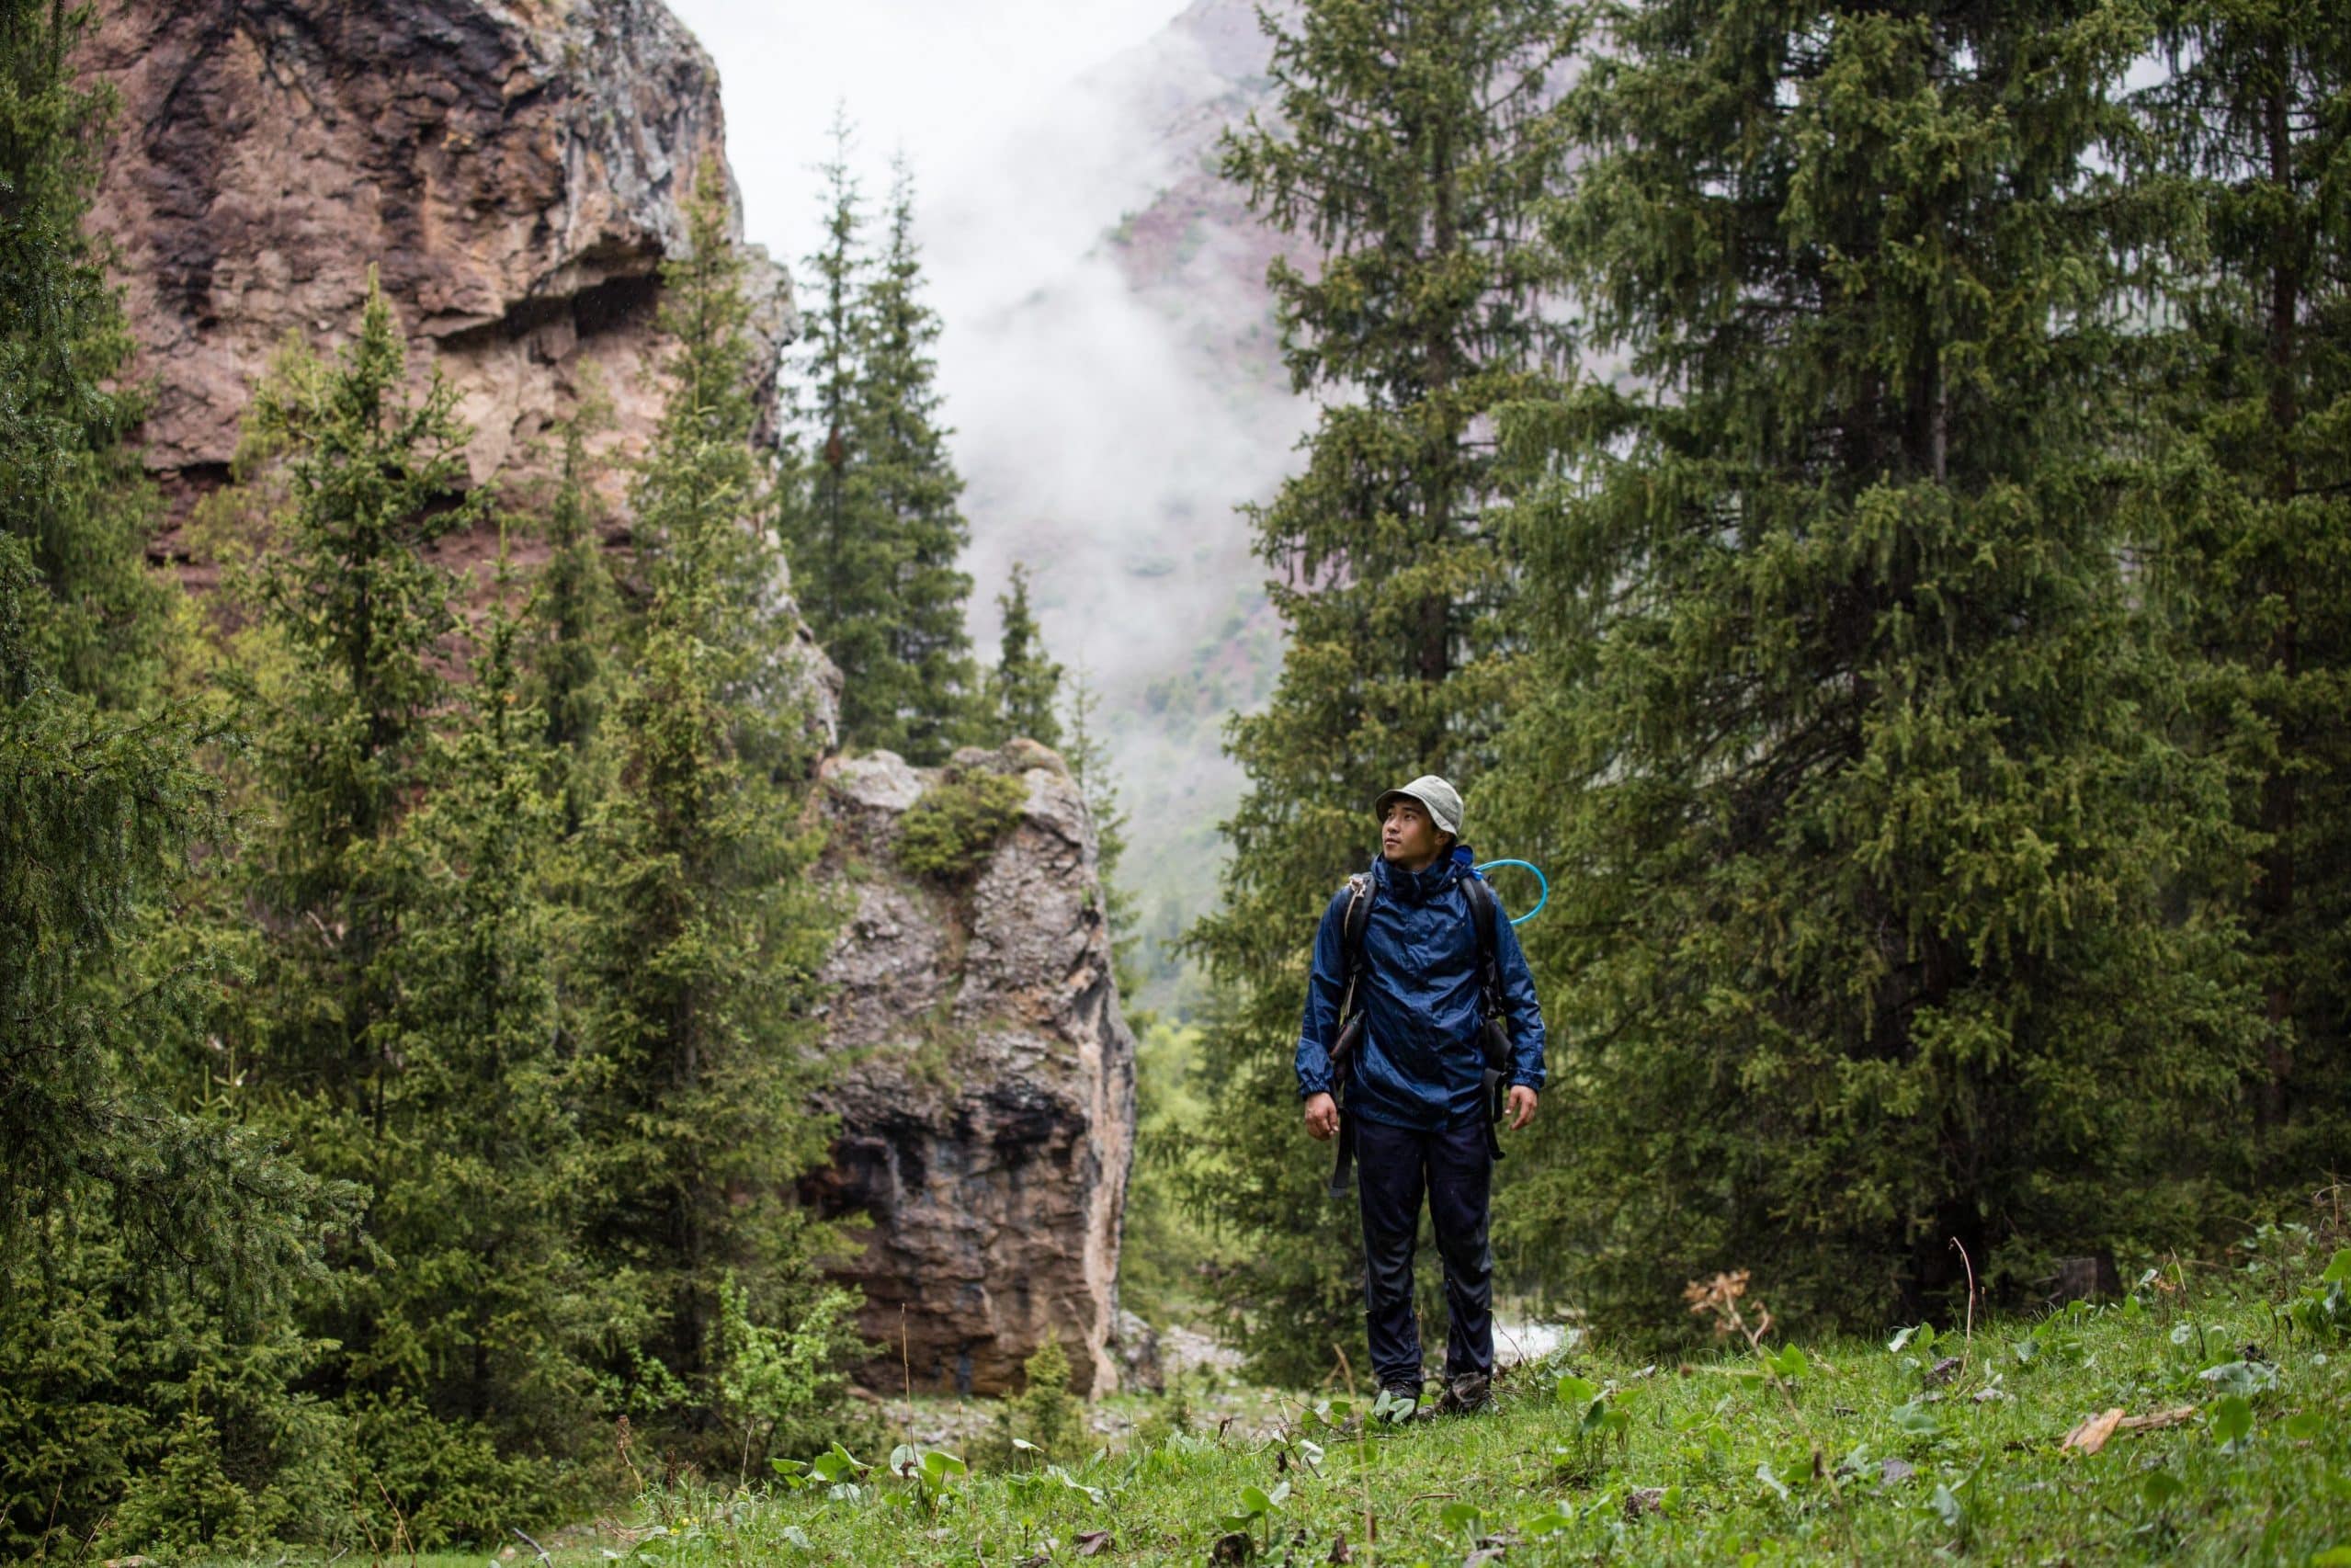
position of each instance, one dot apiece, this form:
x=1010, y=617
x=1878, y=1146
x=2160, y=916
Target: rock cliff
x=987, y=1108
x=515, y=168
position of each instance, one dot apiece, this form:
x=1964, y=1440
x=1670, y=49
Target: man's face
x=1408, y=838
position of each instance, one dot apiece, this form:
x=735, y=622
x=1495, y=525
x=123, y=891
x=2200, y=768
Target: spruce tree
x=148, y=1237
x=1088, y=753
x=2250, y=516
x=573, y=616
x=867, y=499
x=357, y=613
x=475, y=1389
x=1846, y=753
x=844, y=560
x=1415, y=139
x=915, y=698
x=705, y=936
x=1026, y=687
x=71, y=489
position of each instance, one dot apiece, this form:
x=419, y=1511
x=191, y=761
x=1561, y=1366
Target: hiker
x=1411, y=961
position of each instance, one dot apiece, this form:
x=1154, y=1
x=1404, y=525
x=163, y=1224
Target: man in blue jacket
x=1416, y=1087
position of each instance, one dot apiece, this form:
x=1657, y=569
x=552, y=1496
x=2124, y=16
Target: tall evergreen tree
x=2251, y=519
x=1416, y=137
x=400, y=1023
x=842, y=558
x=473, y=1390
x=573, y=616
x=1026, y=685
x=347, y=593
x=70, y=488
x=148, y=1238
x=705, y=937
x=917, y=700
x=1847, y=753
x=1089, y=753
x=868, y=498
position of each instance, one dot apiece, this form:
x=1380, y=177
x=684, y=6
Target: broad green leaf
x=1578, y=1392
x=2232, y=1418
x=1460, y=1514
x=1915, y=1420
x=2158, y=1487
x=1546, y=1519
x=2305, y=1425
x=2338, y=1268
x=2246, y=1377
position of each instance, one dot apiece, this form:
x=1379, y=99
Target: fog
x=1108, y=416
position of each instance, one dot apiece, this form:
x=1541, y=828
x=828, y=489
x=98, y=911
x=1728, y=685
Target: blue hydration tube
x=1522, y=919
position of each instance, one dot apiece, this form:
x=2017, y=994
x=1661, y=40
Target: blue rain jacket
x=1419, y=1062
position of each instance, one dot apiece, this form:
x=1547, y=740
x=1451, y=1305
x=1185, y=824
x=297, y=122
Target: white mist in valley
x=1107, y=357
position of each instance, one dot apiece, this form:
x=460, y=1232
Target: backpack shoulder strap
x=1351, y=929
x=1484, y=910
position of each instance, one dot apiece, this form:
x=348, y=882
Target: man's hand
x=1522, y=1106
x=1322, y=1118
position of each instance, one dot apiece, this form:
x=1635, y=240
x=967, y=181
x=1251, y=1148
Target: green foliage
x=1025, y=688
x=1165, y=1250
x=777, y=1389
x=1088, y=754
x=571, y=618
x=147, y=1237
x=1043, y=1421
x=950, y=832
x=2246, y=516
x=1853, y=766
x=71, y=490
x=702, y=936
x=1704, y=1462
x=867, y=499
x=1416, y=141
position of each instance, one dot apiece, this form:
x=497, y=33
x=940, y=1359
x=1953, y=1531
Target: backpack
x=1495, y=1037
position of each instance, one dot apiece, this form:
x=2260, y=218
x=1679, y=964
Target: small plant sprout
x=1254, y=1512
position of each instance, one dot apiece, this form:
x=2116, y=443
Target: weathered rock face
x=518, y=171
x=988, y=1113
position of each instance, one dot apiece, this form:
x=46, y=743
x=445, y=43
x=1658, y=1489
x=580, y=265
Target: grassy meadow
x=2203, y=1419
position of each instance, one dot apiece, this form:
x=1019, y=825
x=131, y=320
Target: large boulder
x=987, y=1102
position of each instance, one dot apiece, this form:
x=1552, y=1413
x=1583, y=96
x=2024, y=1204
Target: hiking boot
x=1396, y=1405
x=1466, y=1394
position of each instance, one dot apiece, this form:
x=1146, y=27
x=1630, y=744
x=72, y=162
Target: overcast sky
x=949, y=79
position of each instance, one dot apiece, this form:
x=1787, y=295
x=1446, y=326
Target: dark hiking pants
x=1396, y=1166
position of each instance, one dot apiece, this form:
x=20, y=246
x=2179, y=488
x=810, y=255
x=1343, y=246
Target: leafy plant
x=928, y=1471
x=958, y=822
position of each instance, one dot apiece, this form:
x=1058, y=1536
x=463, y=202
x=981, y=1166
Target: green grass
x=1599, y=1457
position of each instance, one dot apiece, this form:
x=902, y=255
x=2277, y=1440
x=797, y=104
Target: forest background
x=1918, y=663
